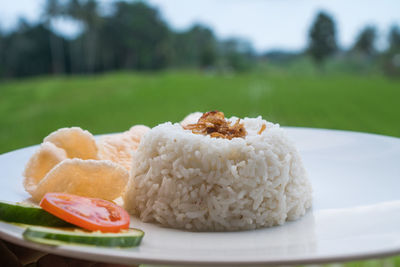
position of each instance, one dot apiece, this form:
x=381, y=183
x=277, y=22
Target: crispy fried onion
x=213, y=123
x=263, y=127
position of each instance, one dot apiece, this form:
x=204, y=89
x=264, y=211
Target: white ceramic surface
x=355, y=214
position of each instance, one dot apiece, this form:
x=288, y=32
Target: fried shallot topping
x=214, y=124
x=262, y=129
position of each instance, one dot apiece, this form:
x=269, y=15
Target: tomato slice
x=89, y=213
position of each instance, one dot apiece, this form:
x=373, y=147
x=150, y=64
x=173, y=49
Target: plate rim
x=282, y=126
x=85, y=255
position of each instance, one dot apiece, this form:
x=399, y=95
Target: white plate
x=355, y=215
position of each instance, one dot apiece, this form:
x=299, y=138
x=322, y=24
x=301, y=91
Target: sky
x=268, y=24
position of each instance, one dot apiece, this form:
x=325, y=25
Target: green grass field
x=32, y=108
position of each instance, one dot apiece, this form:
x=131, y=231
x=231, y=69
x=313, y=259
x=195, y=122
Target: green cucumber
x=28, y=214
x=53, y=236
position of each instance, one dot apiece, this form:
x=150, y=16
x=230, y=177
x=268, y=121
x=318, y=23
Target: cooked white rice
x=195, y=182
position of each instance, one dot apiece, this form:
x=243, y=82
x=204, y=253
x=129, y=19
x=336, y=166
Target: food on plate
x=118, y=147
x=217, y=174
x=52, y=236
x=69, y=160
x=102, y=223
x=46, y=157
x=92, y=178
x=76, y=142
x=92, y=214
x=206, y=173
x=213, y=123
x=28, y=214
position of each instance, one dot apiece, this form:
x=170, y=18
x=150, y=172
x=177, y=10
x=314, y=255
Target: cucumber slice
x=53, y=236
x=28, y=214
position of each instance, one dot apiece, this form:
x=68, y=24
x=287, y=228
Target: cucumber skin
x=29, y=215
x=48, y=237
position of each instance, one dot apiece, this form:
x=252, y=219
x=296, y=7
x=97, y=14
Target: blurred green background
x=130, y=67
x=32, y=108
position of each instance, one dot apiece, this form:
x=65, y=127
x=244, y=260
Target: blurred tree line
x=362, y=55
x=132, y=36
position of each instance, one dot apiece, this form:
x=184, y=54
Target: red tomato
x=89, y=213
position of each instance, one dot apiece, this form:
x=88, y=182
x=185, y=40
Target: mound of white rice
x=184, y=180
